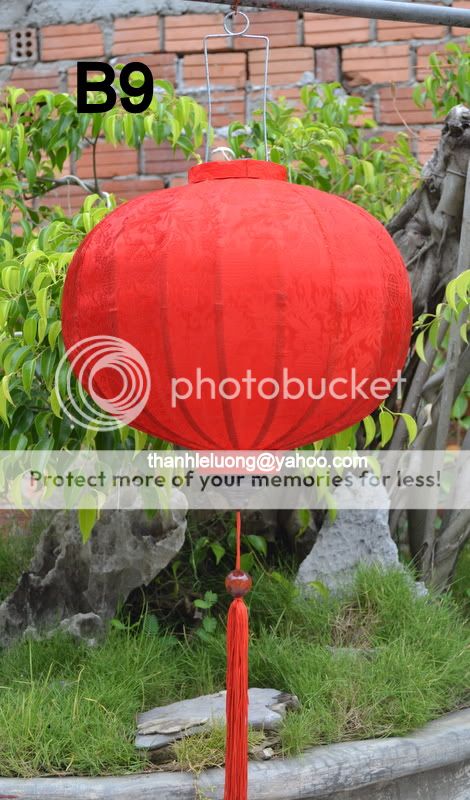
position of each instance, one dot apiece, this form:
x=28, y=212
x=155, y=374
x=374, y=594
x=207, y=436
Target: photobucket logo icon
x=88, y=359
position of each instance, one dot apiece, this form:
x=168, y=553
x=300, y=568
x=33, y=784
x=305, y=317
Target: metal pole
x=373, y=9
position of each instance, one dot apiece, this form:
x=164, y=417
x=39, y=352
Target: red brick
x=71, y=41
x=3, y=48
x=128, y=188
x=376, y=64
x=136, y=35
x=290, y=94
x=461, y=31
x=34, y=79
x=397, y=107
x=324, y=29
x=185, y=33
x=286, y=65
x=162, y=160
x=226, y=69
x=162, y=65
x=280, y=26
x=427, y=142
x=327, y=64
x=389, y=30
x=226, y=107
x=422, y=59
x=111, y=161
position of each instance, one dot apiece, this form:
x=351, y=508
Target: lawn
x=379, y=662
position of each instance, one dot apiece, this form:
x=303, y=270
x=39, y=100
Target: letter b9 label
x=145, y=91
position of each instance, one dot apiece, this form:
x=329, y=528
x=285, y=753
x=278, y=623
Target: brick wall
x=379, y=60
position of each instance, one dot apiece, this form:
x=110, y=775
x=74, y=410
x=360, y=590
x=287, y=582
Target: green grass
x=16, y=552
x=461, y=585
x=66, y=709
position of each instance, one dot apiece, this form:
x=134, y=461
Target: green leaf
x=247, y=561
x=386, y=427
x=218, y=551
x=11, y=279
x=42, y=329
x=451, y=291
x=6, y=389
x=175, y=130
x=419, y=346
x=202, y=604
x=166, y=85
x=118, y=625
x=140, y=440
x=258, y=543
x=86, y=520
x=4, y=311
x=3, y=405
x=411, y=427
x=27, y=375
x=460, y=406
x=15, y=358
x=369, y=427
x=30, y=327
x=304, y=519
x=209, y=624
x=462, y=285
x=55, y=404
x=30, y=170
x=54, y=330
x=42, y=302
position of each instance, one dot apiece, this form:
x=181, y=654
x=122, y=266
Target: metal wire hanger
x=242, y=34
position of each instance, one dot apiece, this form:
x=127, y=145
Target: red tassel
x=238, y=583
x=236, y=758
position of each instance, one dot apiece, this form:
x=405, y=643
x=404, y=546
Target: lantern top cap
x=239, y=168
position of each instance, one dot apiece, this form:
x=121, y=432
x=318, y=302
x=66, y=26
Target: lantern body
x=243, y=277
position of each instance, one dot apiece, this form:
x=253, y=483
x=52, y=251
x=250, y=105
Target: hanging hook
x=230, y=17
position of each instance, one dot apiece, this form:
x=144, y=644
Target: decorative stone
x=88, y=628
x=355, y=537
x=161, y=726
x=75, y=585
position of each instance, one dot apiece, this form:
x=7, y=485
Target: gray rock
x=161, y=726
x=72, y=585
x=355, y=537
x=89, y=628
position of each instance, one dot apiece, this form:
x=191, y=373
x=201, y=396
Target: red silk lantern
x=241, y=281
x=240, y=276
